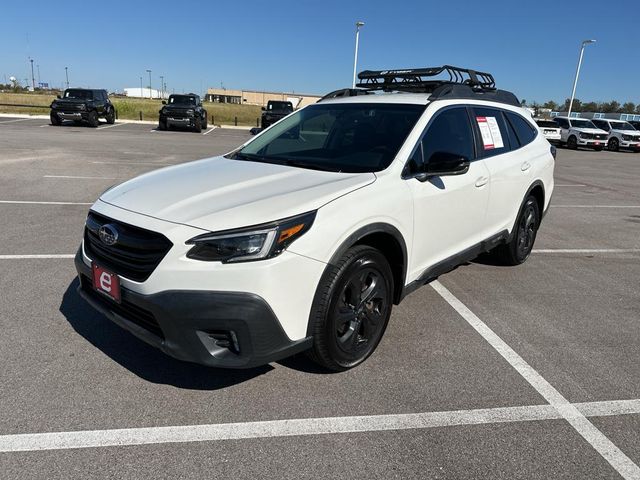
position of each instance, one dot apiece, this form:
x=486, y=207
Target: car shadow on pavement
x=141, y=359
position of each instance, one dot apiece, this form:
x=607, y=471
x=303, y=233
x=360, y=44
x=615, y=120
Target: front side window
x=342, y=137
x=622, y=126
x=576, y=123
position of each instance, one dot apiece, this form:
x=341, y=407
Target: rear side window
x=494, y=136
x=562, y=123
x=524, y=130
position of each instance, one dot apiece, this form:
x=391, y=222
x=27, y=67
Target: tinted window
x=546, y=123
x=450, y=132
x=601, y=124
x=562, y=122
x=494, y=137
x=524, y=130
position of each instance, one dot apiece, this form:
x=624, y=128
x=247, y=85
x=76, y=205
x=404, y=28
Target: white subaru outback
x=304, y=237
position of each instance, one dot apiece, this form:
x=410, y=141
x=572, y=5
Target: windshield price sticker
x=490, y=131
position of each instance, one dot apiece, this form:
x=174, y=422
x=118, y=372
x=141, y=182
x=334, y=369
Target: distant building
x=591, y=115
x=255, y=97
x=138, y=92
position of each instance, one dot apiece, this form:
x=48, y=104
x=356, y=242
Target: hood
x=179, y=107
x=626, y=132
x=596, y=131
x=219, y=193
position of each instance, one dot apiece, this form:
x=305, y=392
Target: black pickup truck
x=183, y=111
x=82, y=105
x=274, y=111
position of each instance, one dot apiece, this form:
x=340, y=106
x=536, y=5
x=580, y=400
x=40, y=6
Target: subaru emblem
x=108, y=234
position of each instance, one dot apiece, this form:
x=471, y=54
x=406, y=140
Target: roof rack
x=420, y=80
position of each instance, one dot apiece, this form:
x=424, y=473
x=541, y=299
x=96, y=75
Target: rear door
x=449, y=211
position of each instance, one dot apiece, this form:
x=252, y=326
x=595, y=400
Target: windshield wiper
x=311, y=166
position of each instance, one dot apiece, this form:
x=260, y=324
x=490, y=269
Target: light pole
x=33, y=77
x=150, y=94
x=575, y=81
x=355, y=60
x=66, y=73
x=39, y=81
x=161, y=87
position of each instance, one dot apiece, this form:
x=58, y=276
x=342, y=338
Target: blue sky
x=307, y=46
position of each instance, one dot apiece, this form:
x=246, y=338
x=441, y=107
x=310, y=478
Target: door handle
x=525, y=166
x=482, y=181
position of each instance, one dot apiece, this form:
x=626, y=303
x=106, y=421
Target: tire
x=92, y=118
x=162, y=125
x=518, y=249
x=55, y=119
x=197, y=125
x=613, y=145
x=351, y=309
x=572, y=143
x=111, y=116
x=205, y=123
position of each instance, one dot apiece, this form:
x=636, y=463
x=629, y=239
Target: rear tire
x=523, y=236
x=351, y=309
x=613, y=145
x=572, y=143
x=92, y=118
x=55, y=119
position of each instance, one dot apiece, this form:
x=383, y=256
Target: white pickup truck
x=580, y=132
x=621, y=134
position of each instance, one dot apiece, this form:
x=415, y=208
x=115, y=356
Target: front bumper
x=188, y=324
x=635, y=146
x=178, y=121
x=75, y=116
x=591, y=143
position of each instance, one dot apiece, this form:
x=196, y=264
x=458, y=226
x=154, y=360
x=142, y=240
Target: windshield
x=621, y=126
x=182, y=100
x=582, y=123
x=351, y=137
x=280, y=106
x=547, y=123
x=79, y=94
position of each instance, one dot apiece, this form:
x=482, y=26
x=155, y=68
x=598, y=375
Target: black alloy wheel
x=111, y=116
x=197, y=125
x=572, y=143
x=613, y=145
x=55, y=119
x=93, y=119
x=352, y=308
x=518, y=248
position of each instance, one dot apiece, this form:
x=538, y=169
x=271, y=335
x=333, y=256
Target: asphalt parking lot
x=491, y=372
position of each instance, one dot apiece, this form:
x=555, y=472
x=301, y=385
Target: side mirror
x=264, y=109
x=443, y=164
x=58, y=97
x=164, y=102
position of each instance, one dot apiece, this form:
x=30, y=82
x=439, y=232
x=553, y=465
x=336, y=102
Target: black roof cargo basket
x=453, y=82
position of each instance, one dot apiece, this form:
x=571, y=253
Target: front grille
x=69, y=107
x=178, y=113
x=125, y=309
x=136, y=253
x=600, y=136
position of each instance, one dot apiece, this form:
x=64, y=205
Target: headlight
x=164, y=111
x=252, y=243
x=83, y=106
x=626, y=138
x=189, y=112
x=584, y=135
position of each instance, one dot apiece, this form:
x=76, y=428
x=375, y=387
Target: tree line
x=579, y=106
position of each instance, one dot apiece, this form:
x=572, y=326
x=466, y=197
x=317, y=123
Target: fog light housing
x=226, y=339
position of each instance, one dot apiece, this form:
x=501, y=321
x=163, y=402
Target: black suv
x=274, y=111
x=82, y=105
x=183, y=111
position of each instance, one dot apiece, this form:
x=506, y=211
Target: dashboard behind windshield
x=355, y=137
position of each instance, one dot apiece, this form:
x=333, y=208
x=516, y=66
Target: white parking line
x=586, y=250
x=303, y=426
x=595, y=206
x=77, y=176
x=132, y=163
x=18, y=120
x=210, y=130
x=570, y=185
x=111, y=126
x=28, y=257
x=605, y=447
x=30, y=202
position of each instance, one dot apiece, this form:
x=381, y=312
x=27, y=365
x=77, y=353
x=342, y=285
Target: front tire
x=518, y=249
x=197, y=125
x=613, y=145
x=204, y=122
x=55, y=119
x=111, y=117
x=92, y=119
x=572, y=143
x=351, y=310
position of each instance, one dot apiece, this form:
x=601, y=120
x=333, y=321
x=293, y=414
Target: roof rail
x=344, y=92
x=420, y=80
